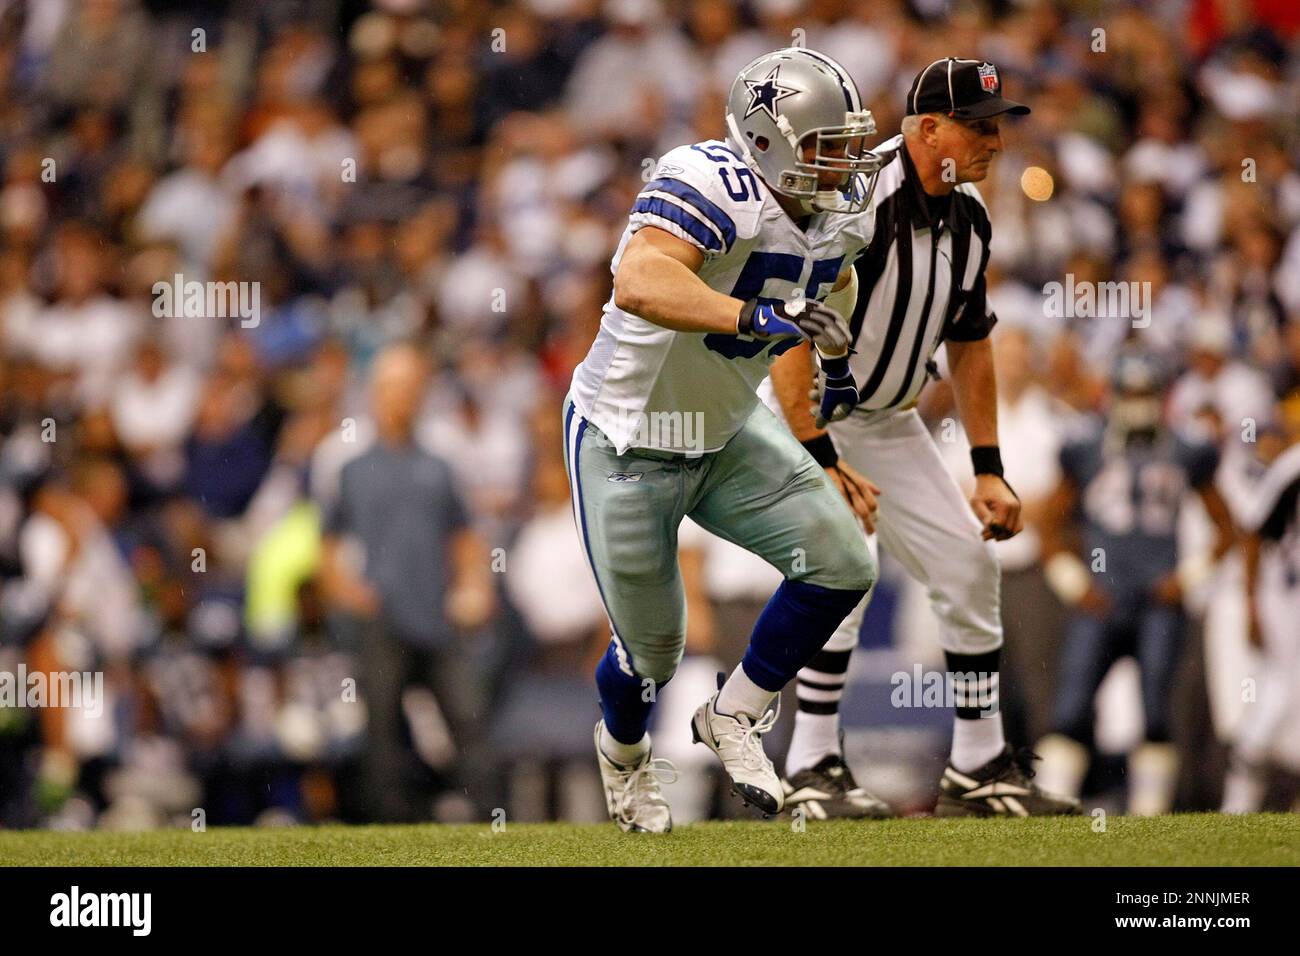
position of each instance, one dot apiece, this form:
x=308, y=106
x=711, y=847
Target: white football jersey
x=646, y=386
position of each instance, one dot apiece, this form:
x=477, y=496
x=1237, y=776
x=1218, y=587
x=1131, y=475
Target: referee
x=921, y=283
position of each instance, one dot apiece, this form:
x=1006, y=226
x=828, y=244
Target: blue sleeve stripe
x=671, y=212
x=710, y=210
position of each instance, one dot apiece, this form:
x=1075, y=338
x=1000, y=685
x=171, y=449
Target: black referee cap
x=965, y=89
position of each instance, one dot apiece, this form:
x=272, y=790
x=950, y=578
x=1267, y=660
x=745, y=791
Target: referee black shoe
x=1003, y=787
x=828, y=791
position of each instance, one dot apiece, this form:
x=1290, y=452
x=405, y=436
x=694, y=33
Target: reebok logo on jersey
x=624, y=476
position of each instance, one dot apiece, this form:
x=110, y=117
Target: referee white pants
x=926, y=524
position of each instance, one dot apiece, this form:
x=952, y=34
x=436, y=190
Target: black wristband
x=987, y=460
x=823, y=450
x=745, y=320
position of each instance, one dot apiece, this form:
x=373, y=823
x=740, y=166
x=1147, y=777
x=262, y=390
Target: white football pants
x=927, y=525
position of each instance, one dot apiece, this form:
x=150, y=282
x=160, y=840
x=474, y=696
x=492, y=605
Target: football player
x=727, y=257
x=1127, y=482
x=1271, y=546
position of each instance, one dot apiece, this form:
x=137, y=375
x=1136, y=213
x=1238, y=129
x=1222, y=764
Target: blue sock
x=626, y=712
x=798, y=620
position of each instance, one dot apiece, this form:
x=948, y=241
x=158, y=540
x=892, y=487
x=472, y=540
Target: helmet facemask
x=836, y=149
x=1136, y=414
x=1137, y=418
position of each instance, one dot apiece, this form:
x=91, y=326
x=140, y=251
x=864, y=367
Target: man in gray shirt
x=421, y=579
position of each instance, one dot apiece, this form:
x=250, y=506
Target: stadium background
x=456, y=174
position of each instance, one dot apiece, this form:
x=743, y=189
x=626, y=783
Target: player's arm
x=1066, y=574
x=1193, y=571
x=1265, y=520
x=974, y=388
x=1251, y=546
x=657, y=280
x=1218, y=511
x=1054, y=528
x=1221, y=517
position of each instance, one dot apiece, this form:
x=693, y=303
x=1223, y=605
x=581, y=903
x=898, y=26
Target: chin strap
x=787, y=131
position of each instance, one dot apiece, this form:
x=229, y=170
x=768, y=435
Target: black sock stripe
x=985, y=663
x=814, y=685
x=830, y=662
x=824, y=707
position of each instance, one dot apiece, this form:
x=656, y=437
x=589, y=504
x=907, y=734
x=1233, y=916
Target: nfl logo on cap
x=988, y=77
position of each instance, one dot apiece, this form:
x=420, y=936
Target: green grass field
x=1182, y=840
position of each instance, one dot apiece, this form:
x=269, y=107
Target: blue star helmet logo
x=766, y=95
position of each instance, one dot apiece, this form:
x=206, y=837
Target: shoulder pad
x=706, y=193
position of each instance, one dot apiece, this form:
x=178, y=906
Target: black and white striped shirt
x=921, y=281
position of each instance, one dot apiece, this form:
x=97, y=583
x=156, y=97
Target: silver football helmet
x=793, y=98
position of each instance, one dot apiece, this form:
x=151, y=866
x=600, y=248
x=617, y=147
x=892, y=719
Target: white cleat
x=633, y=795
x=739, y=745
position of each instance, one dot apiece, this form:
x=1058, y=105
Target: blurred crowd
x=427, y=194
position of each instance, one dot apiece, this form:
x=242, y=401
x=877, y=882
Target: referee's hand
x=859, y=491
x=997, y=508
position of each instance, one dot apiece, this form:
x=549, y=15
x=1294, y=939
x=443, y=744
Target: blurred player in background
x=1126, y=481
x=1272, y=549
x=728, y=253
